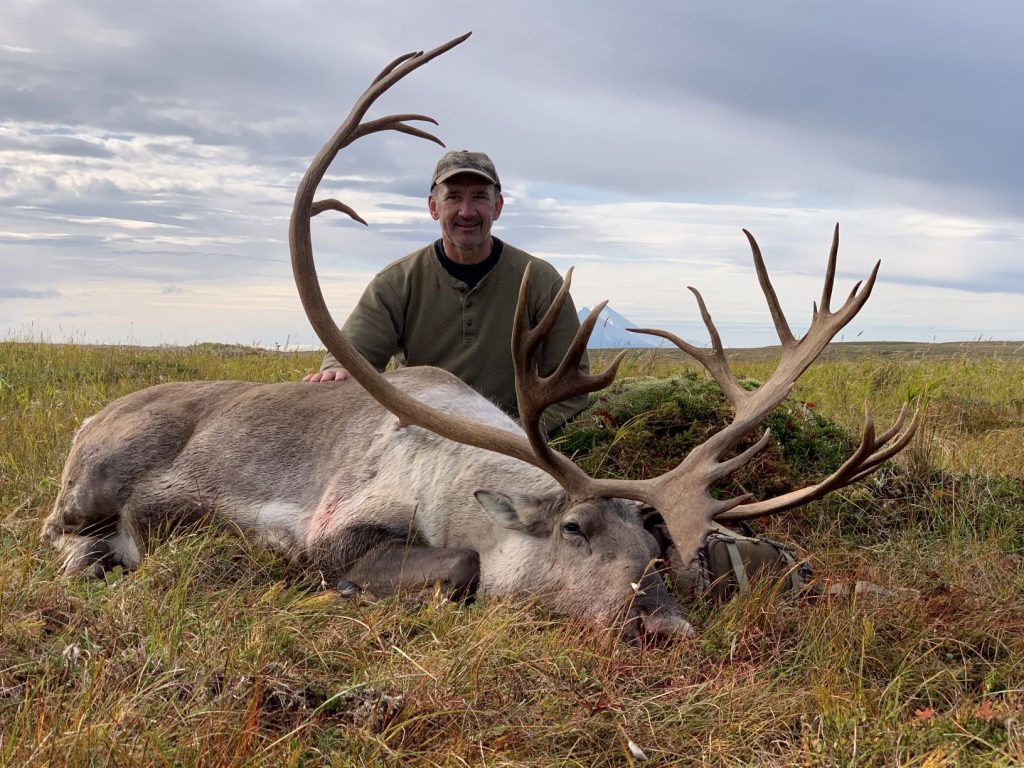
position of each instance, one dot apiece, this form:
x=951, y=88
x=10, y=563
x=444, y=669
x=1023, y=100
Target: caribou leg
x=399, y=567
x=382, y=561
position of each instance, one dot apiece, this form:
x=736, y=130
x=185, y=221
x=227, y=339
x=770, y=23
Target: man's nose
x=466, y=209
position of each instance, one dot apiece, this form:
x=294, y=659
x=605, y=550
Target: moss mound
x=644, y=427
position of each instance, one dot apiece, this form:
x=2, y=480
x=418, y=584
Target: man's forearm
x=329, y=362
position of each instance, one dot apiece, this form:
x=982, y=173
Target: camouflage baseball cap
x=463, y=161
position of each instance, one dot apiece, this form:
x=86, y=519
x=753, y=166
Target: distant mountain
x=610, y=332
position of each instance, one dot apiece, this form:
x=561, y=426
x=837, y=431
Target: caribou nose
x=655, y=614
x=638, y=628
x=666, y=626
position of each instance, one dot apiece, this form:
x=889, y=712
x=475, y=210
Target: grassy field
x=216, y=653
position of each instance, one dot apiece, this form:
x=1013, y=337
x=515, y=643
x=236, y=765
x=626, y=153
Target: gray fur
x=321, y=473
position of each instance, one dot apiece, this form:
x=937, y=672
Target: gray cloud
x=987, y=282
x=57, y=145
x=892, y=91
x=25, y=293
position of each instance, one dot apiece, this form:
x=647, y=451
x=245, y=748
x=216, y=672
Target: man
x=451, y=303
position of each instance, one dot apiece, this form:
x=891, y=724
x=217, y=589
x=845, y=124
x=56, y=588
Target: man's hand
x=331, y=374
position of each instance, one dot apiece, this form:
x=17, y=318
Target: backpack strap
x=738, y=569
x=797, y=580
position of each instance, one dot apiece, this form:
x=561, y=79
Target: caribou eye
x=572, y=527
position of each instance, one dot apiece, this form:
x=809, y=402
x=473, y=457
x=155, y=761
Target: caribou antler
x=406, y=408
x=681, y=495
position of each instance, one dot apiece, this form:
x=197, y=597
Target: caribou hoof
x=352, y=592
x=348, y=589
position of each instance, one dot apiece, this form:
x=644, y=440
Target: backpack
x=730, y=563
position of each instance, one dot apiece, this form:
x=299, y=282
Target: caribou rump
x=453, y=492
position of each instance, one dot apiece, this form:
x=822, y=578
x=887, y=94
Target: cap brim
x=471, y=171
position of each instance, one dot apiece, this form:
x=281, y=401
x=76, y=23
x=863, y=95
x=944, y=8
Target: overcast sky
x=149, y=153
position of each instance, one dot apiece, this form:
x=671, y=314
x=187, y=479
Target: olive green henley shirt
x=418, y=314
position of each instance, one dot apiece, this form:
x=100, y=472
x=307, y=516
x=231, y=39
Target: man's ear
x=520, y=513
x=432, y=207
x=498, y=206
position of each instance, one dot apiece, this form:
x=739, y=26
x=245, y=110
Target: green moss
x=643, y=427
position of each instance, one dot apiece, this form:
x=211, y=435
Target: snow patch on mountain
x=610, y=332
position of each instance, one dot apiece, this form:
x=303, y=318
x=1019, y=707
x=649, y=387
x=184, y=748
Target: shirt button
x=469, y=321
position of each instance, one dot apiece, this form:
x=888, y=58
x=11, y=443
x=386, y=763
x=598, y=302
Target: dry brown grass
x=215, y=653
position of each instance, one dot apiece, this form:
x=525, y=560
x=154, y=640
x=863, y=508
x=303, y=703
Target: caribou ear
x=500, y=508
x=519, y=513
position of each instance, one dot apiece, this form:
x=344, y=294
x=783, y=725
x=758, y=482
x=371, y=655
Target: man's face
x=466, y=206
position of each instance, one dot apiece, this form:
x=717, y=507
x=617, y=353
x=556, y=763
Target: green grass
x=217, y=653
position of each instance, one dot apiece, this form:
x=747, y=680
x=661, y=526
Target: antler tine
x=372, y=125
x=870, y=453
x=394, y=72
x=726, y=468
x=330, y=204
x=566, y=380
x=396, y=123
x=797, y=356
x=830, y=272
x=419, y=133
x=714, y=360
x=353, y=127
x=888, y=435
x=857, y=299
x=888, y=452
x=688, y=348
x=350, y=129
x=781, y=325
x=392, y=123
x=394, y=63
x=526, y=340
x=716, y=339
x=570, y=364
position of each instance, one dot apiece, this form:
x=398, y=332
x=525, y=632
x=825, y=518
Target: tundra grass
x=216, y=653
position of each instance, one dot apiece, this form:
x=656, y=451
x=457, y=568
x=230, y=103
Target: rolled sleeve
x=374, y=327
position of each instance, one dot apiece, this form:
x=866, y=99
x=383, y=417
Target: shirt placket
x=470, y=318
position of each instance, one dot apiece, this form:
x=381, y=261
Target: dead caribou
x=455, y=492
